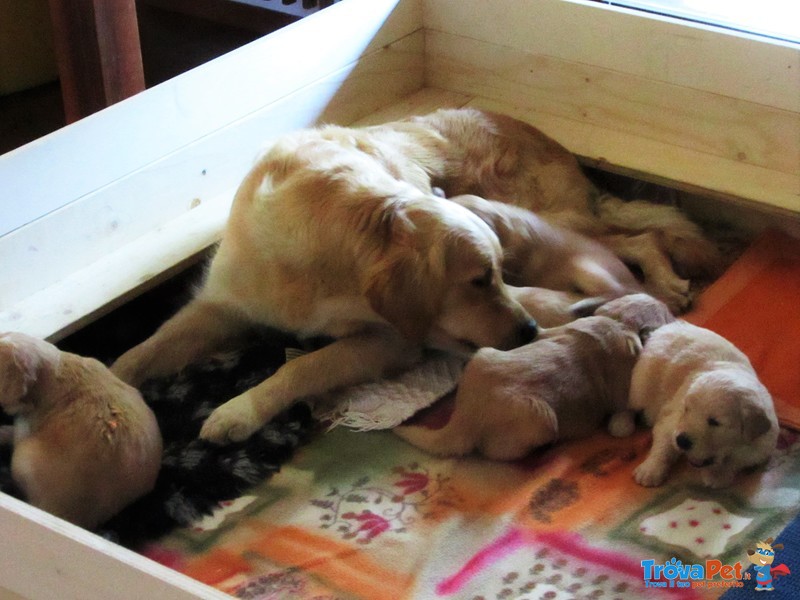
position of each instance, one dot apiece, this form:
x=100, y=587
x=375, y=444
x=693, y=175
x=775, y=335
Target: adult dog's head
x=439, y=278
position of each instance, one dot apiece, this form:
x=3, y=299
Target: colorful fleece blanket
x=365, y=515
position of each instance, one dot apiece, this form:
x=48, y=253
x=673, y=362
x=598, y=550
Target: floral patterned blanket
x=367, y=516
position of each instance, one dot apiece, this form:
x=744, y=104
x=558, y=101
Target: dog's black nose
x=683, y=441
x=527, y=332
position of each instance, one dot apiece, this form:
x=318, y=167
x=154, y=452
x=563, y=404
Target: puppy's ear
x=19, y=364
x=754, y=421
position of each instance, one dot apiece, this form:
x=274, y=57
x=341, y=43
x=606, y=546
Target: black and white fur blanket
x=196, y=475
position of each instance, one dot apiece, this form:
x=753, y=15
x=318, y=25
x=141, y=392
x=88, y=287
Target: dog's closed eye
x=485, y=280
x=713, y=422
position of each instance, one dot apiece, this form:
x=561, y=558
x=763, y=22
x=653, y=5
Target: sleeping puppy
x=548, y=256
x=322, y=240
x=469, y=151
x=85, y=443
x=560, y=387
x=704, y=401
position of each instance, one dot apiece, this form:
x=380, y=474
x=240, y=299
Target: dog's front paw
x=650, y=473
x=234, y=421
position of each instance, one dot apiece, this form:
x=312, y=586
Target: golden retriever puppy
x=323, y=240
x=469, y=151
x=704, y=401
x=639, y=312
x=85, y=443
x=543, y=255
x=560, y=387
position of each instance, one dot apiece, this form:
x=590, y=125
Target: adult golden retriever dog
x=322, y=239
x=469, y=151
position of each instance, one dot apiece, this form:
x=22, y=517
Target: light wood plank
x=681, y=117
x=422, y=102
x=144, y=225
x=46, y=557
x=651, y=160
x=88, y=155
x=118, y=214
x=646, y=45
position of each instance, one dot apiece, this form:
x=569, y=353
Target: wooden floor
x=172, y=42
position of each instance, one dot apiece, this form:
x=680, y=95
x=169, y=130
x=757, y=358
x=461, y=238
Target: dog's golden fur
x=322, y=240
x=85, y=443
x=469, y=151
x=560, y=387
x=543, y=255
x=337, y=231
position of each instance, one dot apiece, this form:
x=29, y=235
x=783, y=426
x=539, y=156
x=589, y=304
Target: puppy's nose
x=683, y=441
x=527, y=332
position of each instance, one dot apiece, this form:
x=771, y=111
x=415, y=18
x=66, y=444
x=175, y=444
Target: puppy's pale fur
x=85, y=443
x=544, y=255
x=323, y=240
x=560, y=387
x=469, y=151
x=699, y=393
x=704, y=401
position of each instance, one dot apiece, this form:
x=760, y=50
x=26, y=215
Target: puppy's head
x=723, y=410
x=639, y=312
x=440, y=281
x=19, y=365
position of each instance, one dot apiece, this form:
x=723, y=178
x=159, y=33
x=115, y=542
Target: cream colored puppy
x=560, y=387
x=85, y=443
x=705, y=402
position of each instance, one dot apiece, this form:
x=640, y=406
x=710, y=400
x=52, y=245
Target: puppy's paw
x=622, y=424
x=650, y=473
x=718, y=478
x=234, y=421
x=675, y=293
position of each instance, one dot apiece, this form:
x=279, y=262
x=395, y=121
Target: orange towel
x=756, y=305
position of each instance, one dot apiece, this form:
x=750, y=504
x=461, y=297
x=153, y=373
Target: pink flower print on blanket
x=391, y=504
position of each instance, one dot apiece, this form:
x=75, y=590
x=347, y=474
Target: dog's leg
x=653, y=471
x=347, y=361
x=196, y=330
x=660, y=280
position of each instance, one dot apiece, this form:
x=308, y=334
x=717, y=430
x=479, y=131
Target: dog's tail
x=693, y=254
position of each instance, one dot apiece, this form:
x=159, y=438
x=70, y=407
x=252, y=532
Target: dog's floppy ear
x=19, y=364
x=755, y=422
x=404, y=282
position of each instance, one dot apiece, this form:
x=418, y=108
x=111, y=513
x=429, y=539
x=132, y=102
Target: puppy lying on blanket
x=701, y=396
x=560, y=387
x=85, y=444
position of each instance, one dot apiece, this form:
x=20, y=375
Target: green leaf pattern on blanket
x=367, y=509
